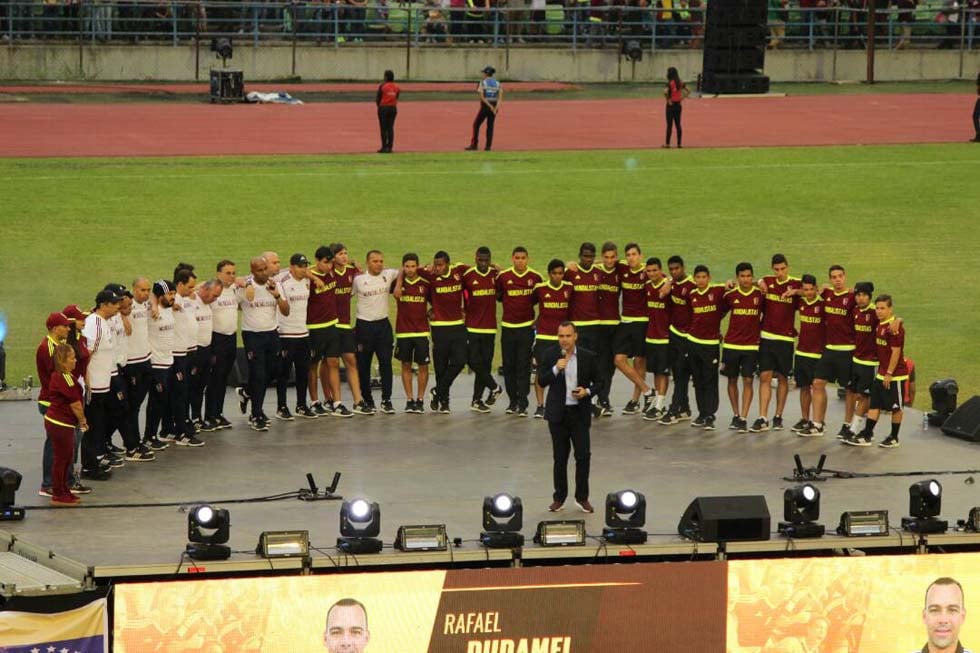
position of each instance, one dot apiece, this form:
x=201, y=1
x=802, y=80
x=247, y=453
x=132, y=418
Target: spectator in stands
x=696, y=7
x=98, y=20
x=435, y=28
x=515, y=15
x=457, y=15
x=539, y=16
x=777, y=23
x=949, y=17
x=666, y=27
x=477, y=13
x=355, y=14
x=906, y=17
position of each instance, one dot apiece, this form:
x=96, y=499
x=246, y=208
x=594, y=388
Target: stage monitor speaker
x=227, y=85
x=726, y=519
x=964, y=423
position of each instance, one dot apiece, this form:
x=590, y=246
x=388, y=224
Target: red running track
x=33, y=130
x=297, y=89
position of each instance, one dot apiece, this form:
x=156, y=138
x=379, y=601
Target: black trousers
x=179, y=422
x=119, y=419
x=605, y=339
x=976, y=118
x=201, y=362
x=262, y=353
x=673, y=118
x=516, y=344
x=158, y=408
x=374, y=338
x=680, y=369
x=223, y=354
x=572, y=432
x=588, y=337
x=448, y=356
x=704, y=369
x=294, y=353
x=386, y=121
x=138, y=378
x=479, y=356
x=484, y=114
x=94, y=440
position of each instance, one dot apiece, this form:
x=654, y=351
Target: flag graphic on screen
x=82, y=630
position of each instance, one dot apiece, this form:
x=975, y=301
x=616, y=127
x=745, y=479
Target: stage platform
x=433, y=469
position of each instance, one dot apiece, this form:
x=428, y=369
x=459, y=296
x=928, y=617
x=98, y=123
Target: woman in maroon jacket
x=63, y=415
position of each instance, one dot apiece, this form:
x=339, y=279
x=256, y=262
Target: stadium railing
x=669, y=24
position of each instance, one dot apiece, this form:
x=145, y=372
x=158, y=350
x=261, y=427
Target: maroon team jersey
x=778, y=313
x=744, y=321
x=707, y=307
x=554, y=307
x=63, y=391
x=321, y=308
x=811, y=340
x=45, y=367
x=345, y=284
x=634, y=289
x=837, y=319
x=584, y=310
x=446, y=295
x=515, y=290
x=680, y=312
x=609, y=283
x=865, y=323
x=412, y=319
x=885, y=340
x=658, y=314
x=480, y=295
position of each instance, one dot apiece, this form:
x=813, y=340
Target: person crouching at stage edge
x=491, y=97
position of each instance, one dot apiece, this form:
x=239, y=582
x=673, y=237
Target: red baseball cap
x=73, y=312
x=57, y=320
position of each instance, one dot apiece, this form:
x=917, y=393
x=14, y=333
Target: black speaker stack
x=735, y=47
x=964, y=423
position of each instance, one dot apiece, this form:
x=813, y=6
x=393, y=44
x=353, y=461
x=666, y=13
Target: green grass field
x=904, y=217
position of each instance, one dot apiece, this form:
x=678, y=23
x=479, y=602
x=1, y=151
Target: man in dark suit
x=570, y=373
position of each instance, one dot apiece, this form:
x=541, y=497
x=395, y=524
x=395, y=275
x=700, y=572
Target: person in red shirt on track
x=675, y=92
x=387, y=103
x=63, y=415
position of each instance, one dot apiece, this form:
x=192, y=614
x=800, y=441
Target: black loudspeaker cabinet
x=739, y=37
x=731, y=83
x=732, y=61
x=227, y=85
x=751, y=13
x=964, y=423
x=726, y=519
x=735, y=47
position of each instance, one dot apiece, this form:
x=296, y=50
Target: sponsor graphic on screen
x=82, y=630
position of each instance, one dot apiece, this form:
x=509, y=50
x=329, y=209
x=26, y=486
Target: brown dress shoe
x=585, y=506
x=556, y=506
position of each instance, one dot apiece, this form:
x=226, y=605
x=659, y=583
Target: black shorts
x=588, y=336
x=889, y=400
x=412, y=349
x=630, y=339
x=324, y=343
x=804, y=369
x=345, y=339
x=658, y=358
x=776, y=356
x=861, y=378
x=739, y=363
x=540, y=348
x=834, y=367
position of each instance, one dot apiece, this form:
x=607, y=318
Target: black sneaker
x=254, y=423
x=777, y=423
x=198, y=425
x=419, y=407
x=114, y=462
x=283, y=413
x=116, y=451
x=362, y=408
x=668, y=418
x=845, y=432
x=699, y=422
x=242, y=399
x=760, y=425
x=606, y=411
x=208, y=425
x=386, y=407
x=511, y=408
x=409, y=407
x=166, y=437
x=492, y=396
x=631, y=407
x=683, y=415
x=96, y=474
x=889, y=443
x=304, y=411
x=141, y=455
x=811, y=431
x=743, y=425
x=648, y=401
x=857, y=440
x=444, y=407
x=597, y=411
x=153, y=444
x=319, y=409
x=222, y=423
x=709, y=423
x=800, y=425
x=521, y=411
x=651, y=414
x=539, y=412
x=191, y=441
x=79, y=489
x=340, y=410
x=433, y=401
x=733, y=425
x=45, y=492
x=478, y=406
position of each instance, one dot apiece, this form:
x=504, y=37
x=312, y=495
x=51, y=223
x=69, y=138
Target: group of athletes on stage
x=174, y=342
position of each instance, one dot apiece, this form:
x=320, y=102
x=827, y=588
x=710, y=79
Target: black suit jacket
x=588, y=371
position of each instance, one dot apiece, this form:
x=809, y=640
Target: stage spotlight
x=426, y=537
x=569, y=532
x=626, y=512
x=9, y=484
x=360, y=525
x=925, y=503
x=503, y=517
x=632, y=50
x=863, y=523
x=943, y=393
x=283, y=544
x=801, y=508
x=208, y=529
x=222, y=48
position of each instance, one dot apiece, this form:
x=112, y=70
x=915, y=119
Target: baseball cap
x=490, y=70
x=57, y=320
x=119, y=289
x=161, y=288
x=72, y=312
x=299, y=259
x=107, y=297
